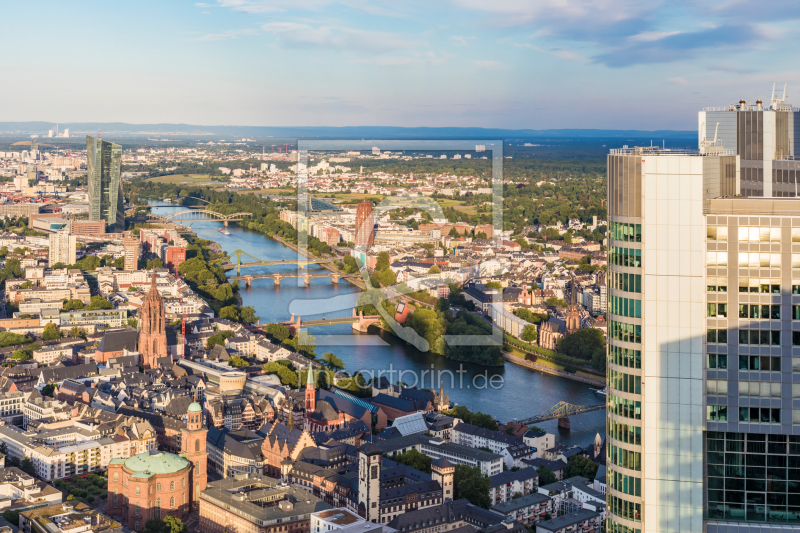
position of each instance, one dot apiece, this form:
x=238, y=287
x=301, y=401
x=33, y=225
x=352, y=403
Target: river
x=517, y=392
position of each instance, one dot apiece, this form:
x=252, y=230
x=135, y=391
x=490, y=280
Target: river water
x=507, y=393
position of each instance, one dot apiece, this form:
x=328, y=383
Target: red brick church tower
x=573, y=311
x=311, y=393
x=153, y=334
x=193, y=448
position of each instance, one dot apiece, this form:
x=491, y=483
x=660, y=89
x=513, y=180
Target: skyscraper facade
x=365, y=224
x=132, y=247
x=105, y=186
x=703, y=428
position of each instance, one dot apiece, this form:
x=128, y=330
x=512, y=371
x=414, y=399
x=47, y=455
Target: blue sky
x=610, y=64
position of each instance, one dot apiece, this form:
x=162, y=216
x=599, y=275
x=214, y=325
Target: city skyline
x=520, y=64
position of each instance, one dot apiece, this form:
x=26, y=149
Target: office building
x=62, y=249
x=766, y=140
x=255, y=503
x=703, y=344
x=105, y=186
x=131, y=254
x=365, y=224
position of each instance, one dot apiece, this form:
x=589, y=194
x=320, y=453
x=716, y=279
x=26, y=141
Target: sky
x=535, y=64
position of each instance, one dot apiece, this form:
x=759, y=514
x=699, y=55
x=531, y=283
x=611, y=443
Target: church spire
x=310, y=378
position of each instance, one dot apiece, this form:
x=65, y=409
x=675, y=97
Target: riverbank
x=508, y=392
x=511, y=358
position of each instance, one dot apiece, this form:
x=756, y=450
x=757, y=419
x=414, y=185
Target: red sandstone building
x=155, y=484
x=153, y=335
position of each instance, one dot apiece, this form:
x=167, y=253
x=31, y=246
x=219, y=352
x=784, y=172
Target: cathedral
x=153, y=333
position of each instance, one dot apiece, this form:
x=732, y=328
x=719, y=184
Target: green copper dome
x=155, y=462
x=195, y=407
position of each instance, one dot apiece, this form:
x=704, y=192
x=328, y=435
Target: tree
x=73, y=304
x=174, y=525
x=599, y=360
x=387, y=277
x=434, y=270
x=583, y=343
x=279, y=332
x=224, y=292
x=154, y=263
x=454, y=233
x=578, y=465
x=471, y=484
x=414, y=459
x=229, y=313
x=476, y=419
x=12, y=339
x=494, y=285
x=306, y=342
x=27, y=466
x=12, y=517
x=47, y=390
x=284, y=373
x=556, y=302
x=98, y=302
x=546, y=476
x=426, y=323
x=218, y=338
x=382, y=263
x=332, y=362
x=248, y=314
x=75, y=331
x=237, y=362
x=51, y=332
x=529, y=333
x=529, y=316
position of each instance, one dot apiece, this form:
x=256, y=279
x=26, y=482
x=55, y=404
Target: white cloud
x=458, y=40
x=650, y=36
x=299, y=35
x=225, y=36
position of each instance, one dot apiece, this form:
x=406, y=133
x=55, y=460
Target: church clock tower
x=193, y=448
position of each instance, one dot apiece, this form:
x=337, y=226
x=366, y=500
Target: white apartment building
x=63, y=247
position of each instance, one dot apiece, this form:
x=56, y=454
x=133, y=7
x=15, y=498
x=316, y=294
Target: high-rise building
x=62, y=249
x=703, y=429
x=766, y=140
x=105, y=186
x=365, y=224
x=131, y=254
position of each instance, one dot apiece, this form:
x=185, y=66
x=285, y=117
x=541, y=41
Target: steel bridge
x=562, y=410
x=188, y=215
x=238, y=265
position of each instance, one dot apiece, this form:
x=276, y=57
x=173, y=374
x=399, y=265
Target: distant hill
x=325, y=132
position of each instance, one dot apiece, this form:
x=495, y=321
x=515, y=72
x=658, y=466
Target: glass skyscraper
x=703, y=428
x=103, y=161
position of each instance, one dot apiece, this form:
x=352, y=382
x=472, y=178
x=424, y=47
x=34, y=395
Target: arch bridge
x=189, y=215
x=562, y=410
x=238, y=265
x=358, y=320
